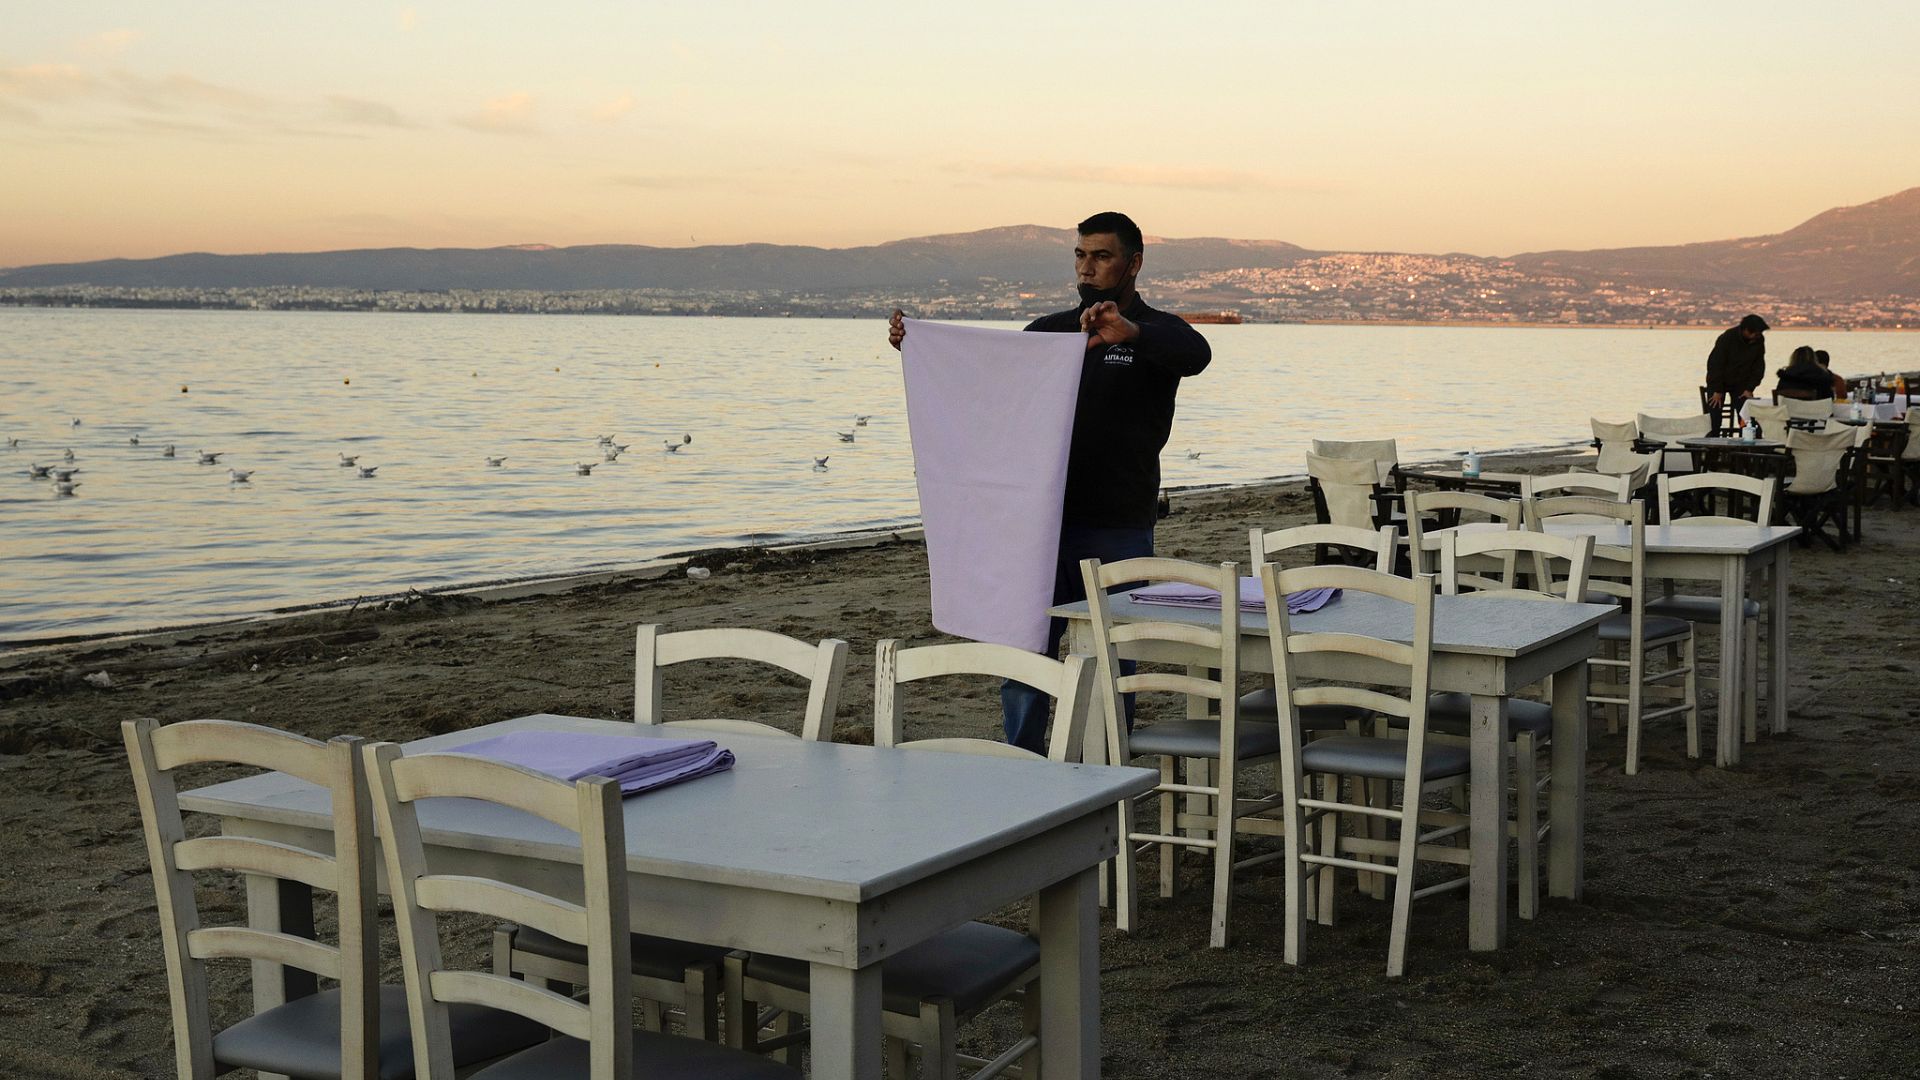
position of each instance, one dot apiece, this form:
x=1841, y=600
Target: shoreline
x=646, y=570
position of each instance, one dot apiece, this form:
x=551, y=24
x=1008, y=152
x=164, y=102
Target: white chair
x=1808, y=415
x=676, y=976
x=1618, y=456
x=1817, y=495
x=930, y=990
x=1670, y=430
x=1619, y=573
x=1443, y=510
x=1210, y=748
x=595, y=1039
x=1418, y=765
x=1383, y=453
x=358, y=1029
x=824, y=665
x=1704, y=611
x=1343, y=490
x=1595, y=485
x=1770, y=420
x=1530, y=722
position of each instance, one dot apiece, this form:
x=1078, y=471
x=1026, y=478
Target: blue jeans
x=1024, y=709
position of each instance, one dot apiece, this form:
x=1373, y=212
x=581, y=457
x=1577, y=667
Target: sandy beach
x=1759, y=921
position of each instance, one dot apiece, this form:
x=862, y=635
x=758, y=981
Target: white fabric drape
x=991, y=416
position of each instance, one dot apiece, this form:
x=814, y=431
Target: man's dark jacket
x=1736, y=365
x=1125, y=414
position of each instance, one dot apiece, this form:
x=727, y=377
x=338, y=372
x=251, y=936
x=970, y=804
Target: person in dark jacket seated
x=1803, y=378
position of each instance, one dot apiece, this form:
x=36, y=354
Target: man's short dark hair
x=1117, y=223
x=1752, y=323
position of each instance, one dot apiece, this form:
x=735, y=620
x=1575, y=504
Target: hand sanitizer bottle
x=1470, y=467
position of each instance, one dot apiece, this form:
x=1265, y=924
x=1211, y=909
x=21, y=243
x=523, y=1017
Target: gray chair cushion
x=302, y=1037
x=967, y=964
x=654, y=957
x=1201, y=738
x=1451, y=713
x=1262, y=705
x=1654, y=627
x=1381, y=759
x=655, y=1057
x=1704, y=609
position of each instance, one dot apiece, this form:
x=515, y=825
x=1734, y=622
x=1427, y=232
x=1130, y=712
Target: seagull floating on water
x=619, y=448
x=583, y=470
x=612, y=455
x=12, y=442
x=38, y=472
x=210, y=459
x=604, y=440
x=65, y=487
x=75, y=422
x=133, y=440
x=672, y=447
x=366, y=471
x=69, y=454
x=167, y=451
x=61, y=474
x=238, y=476
x=494, y=462
x=685, y=439
x=845, y=436
x=347, y=462
x=860, y=420
x=820, y=464
x=1193, y=455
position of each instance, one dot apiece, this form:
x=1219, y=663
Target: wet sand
x=1759, y=921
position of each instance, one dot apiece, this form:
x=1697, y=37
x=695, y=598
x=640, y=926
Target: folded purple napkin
x=1179, y=594
x=639, y=764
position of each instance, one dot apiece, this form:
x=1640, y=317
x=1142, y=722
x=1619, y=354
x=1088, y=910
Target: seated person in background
x=1803, y=378
x=1839, y=381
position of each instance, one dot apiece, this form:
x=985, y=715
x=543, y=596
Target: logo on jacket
x=1119, y=355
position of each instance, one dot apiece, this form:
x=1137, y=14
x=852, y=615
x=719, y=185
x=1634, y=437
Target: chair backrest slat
x=1263, y=544
x=823, y=664
x=536, y=1003
x=1097, y=578
x=1068, y=682
x=1539, y=547
x=1446, y=508
x=1757, y=488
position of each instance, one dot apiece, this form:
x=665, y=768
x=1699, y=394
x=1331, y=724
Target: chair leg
x=1167, y=806
x=897, y=1065
x=939, y=1054
x=1689, y=654
x=1223, y=834
x=733, y=1001
x=1636, y=670
x=1751, y=699
x=1526, y=819
x=1293, y=928
x=1329, y=845
x=1379, y=794
x=1403, y=882
x=697, y=1003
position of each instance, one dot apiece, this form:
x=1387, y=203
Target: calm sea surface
x=149, y=541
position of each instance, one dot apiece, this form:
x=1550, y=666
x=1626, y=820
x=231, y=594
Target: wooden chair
x=1807, y=415
x=1597, y=485
x=1419, y=766
x=931, y=989
x=1384, y=453
x=674, y=976
x=354, y=1031
x=1670, y=430
x=1749, y=501
x=1530, y=723
x=1883, y=469
x=593, y=1039
x=1724, y=417
x=1430, y=510
x=1619, y=573
x=1343, y=491
x=1910, y=458
x=823, y=664
x=1769, y=420
x=1211, y=748
x=1817, y=496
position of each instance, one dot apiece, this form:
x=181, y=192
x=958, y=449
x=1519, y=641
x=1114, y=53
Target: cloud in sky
x=47, y=82
x=408, y=19
x=613, y=109
x=107, y=44
x=1182, y=178
x=512, y=114
x=363, y=112
x=665, y=181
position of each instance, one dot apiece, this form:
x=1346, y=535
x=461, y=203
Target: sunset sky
x=137, y=129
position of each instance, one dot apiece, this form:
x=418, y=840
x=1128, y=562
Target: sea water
x=148, y=541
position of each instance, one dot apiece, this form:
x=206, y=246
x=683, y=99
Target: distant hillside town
x=1855, y=266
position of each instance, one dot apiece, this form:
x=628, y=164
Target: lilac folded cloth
x=1178, y=594
x=639, y=764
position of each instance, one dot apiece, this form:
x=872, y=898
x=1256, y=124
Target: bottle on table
x=1470, y=466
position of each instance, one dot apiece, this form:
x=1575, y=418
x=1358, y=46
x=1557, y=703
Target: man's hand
x=896, y=328
x=1105, y=325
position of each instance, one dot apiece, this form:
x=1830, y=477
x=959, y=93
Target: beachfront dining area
x=1392, y=722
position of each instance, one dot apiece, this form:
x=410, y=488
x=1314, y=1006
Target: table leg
x=1069, y=930
x=1080, y=640
x=1733, y=623
x=287, y=907
x=1487, y=829
x=1567, y=794
x=846, y=1020
x=1777, y=640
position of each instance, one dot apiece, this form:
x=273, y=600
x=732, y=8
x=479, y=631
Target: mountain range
x=1871, y=250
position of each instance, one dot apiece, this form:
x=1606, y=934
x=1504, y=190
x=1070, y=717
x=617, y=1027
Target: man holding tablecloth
x=1135, y=359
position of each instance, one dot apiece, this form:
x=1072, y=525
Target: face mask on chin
x=1090, y=294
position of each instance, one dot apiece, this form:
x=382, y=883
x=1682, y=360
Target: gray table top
x=816, y=819
x=1724, y=442
x=1677, y=539
x=1461, y=624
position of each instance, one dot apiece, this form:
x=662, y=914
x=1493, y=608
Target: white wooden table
x=1731, y=555
x=1487, y=649
x=837, y=855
